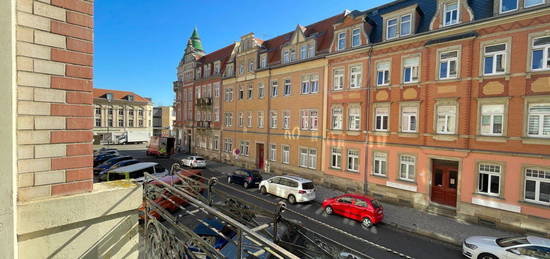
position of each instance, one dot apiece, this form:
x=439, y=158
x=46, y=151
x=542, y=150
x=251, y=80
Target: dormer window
x=405, y=25
x=311, y=50
x=241, y=69
x=286, y=57
x=451, y=13
x=341, y=40
x=355, y=37
x=263, y=61
x=198, y=73
x=508, y=5
x=531, y=3
x=217, y=68
x=303, y=52
x=109, y=96
x=292, y=55
x=251, y=66
x=130, y=98
x=391, y=29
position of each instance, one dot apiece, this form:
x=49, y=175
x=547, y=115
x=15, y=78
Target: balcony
x=177, y=84
x=203, y=124
x=204, y=102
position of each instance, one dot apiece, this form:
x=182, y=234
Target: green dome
x=195, y=40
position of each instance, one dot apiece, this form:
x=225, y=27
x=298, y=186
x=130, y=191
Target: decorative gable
x=354, y=21
x=451, y=12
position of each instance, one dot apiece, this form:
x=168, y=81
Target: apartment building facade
x=116, y=113
x=163, y=121
x=421, y=103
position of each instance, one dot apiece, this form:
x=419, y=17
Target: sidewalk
x=407, y=219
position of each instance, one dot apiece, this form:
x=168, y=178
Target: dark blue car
x=245, y=177
x=109, y=163
x=98, y=160
x=103, y=174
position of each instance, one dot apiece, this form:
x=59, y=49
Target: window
x=355, y=37
x=260, y=90
x=309, y=119
x=353, y=160
x=228, y=119
x=244, y=148
x=260, y=120
x=492, y=117
x=311, y=50
x=274, y=88
x=406, y=167
x=121, y=123
x=355, y=77
x=405, y=28
x=446, y=119
x=530, y=3
x=263, y=61
x=120, y=111
x=448, y=64
x=380, y=164
x=241, y=93
x=241, y=69
x=286, y=57
x=286, y=154
x=98, y=122
x=251, y=66
x=508, y=5
x=337, y=116
x=249, y=120
x=336, y=158
x=308, y=158
x=140, y=122
x=273, y=152
x=310, y=84
x=383, y=73
x=338, y=79
x=494, y=59
x=217, y=90
x=354, y=118
x=216, y=114
x=451, y=14
x=229, y=70
x=131, y=123
x=217, y=68
x=216, y=143
x=287, y=87
x=312, y=158
x=391, y=29
x=410, y=70
x=97, y=111
x=409, y=119
x=241, y=119
x=539, y=120
x=273, y=121
x=382, y=115
x=341, y=41
x=489, y=179
x=303, y=157
x=249, y=92
x=537, y=185
x=540, y=54
x=303, y=52
x=286, y=120
x=292, y=55
x=228, y=145
x=228, y=95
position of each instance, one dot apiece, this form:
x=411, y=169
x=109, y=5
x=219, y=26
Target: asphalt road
x=340, y=229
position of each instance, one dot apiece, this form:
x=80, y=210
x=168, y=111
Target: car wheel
x=263, y=190
x=291, y=199
x=328, y=210
x=245, y=185
x=229, y=179
x=486, y=256
x=366, y=222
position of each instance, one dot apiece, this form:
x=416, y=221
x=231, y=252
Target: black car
x=98, y=160
x=245, y=177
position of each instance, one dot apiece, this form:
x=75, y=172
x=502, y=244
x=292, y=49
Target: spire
x=195, y=40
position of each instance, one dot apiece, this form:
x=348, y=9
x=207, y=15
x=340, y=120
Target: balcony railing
x=204, y=101
x=203, y=124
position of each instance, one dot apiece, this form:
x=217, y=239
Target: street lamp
x=109, y=97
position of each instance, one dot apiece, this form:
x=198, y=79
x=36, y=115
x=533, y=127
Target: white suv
x=293, y=188
x=194, y=161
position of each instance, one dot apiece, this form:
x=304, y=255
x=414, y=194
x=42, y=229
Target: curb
x=437, y=236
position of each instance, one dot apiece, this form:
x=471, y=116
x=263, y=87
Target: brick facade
x=54, y=82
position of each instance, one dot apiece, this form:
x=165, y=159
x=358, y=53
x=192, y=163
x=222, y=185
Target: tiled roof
x=118, y=95
x=220, y=54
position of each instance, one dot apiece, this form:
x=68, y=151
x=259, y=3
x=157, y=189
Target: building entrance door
x=260, y=156
x=444, y=183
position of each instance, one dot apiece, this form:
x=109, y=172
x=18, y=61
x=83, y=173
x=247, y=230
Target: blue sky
x=138, y=44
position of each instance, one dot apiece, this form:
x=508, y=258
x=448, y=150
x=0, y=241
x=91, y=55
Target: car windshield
x=376, y=204
x=256, y=173
x=307, y=186
x=512, y=241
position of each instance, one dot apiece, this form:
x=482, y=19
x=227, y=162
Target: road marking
x=319, y=210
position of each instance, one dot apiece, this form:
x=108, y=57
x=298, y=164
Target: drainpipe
x=324, y=109
x=368, y=106
x=267, y=148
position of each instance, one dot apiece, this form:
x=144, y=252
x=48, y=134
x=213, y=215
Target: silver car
x=293, y=188
x=194, y=161
x=482, y=247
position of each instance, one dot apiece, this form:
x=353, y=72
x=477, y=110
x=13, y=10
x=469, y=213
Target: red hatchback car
x=354, y=206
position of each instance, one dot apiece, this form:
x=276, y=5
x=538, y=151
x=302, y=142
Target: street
x=380, y=241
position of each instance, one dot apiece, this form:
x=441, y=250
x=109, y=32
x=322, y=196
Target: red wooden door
x=444, y=184
x=260, y=156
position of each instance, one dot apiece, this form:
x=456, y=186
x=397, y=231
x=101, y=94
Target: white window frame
x=353, y=160
x=287, y=87
x=249, y=120
x=337, y=118
x=244, y=147
x=448, y=61
x=545, y=48
x=338, y=79
x=312, y=158
x=273, y=152
x=408, y=174
x=355, y=76
x=456, y=10
x=303, y=52
x=356, y=37
x=451, y=117
x=274, y=88
x=412, y=64
x=407, y=113
x=354, y=117
x=336, y=158
x=263, y=61
x=491, y=115
x=401, y=34
x=541, y=177
x=380, y=164
x=285, y=154
x=260, y=120
x=511, y=10
x=303, y=157
x=241, y=120
x=228, y=145
x=286, y=56
x=388, y=26
x=491, y=171
x=494, y=55
x=341, y=41
x=541, y=115
x=535, y=4
x=383, y=71
x=286, y=119
x=273, y=119
x=261, y=90
x=381, y=112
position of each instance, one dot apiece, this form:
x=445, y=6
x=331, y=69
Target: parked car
x=245, y=177
x=293, y=188
x=194, y=161
x=99, y=159
x=109, y=163
x=136, y=171
x=109, y=151
x=357, y=207
x=103, y=150
x=482, y=247
x=103, y=174
x=174, y=201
